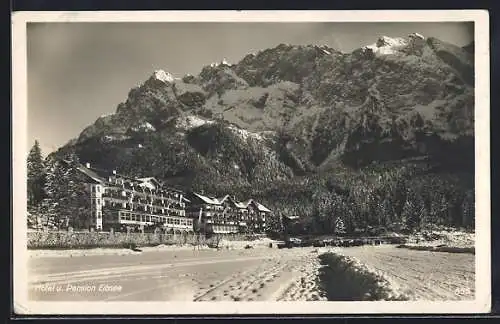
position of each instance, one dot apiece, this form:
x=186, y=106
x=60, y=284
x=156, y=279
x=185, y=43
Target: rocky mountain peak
x=163, y=76
x=413, y=36
x=386, y=41
x=320, y=105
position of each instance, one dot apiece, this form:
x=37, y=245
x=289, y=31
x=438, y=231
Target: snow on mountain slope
x=387, y=45
x=323, y=103
x=163, y=76
x=191, y=121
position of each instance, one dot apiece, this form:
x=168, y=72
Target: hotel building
x=226, y=215
x=119, y=201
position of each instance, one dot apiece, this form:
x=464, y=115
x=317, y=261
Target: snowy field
x=238, y=274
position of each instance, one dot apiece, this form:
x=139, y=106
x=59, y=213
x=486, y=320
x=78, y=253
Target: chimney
x=87, y=165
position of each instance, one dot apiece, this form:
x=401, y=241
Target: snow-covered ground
x=69, y=253
x=439, y=238
x=223, y=244
x=258, y=274
x=418, y=275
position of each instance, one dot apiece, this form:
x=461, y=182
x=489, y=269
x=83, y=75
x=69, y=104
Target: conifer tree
x=56, y=189
x=339, y=226
x=36, y=175
x=67, y=197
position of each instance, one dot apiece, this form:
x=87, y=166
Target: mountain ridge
x=293, y=110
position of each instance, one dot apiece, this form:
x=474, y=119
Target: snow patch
x=146, y=127
x=113, y=138
x=106, y=115
x=163, y=76
x=416, y=35
x=387, y=45
x=223, y=62
x=192, y=121
x=244, y=134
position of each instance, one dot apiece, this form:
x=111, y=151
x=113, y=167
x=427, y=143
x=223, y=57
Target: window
x=99, y=215
x=98, y=201
x=124, y=205
x=169, y=220
x=98, y=188
x=92, y=188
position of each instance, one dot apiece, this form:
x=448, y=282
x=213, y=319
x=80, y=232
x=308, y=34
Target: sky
x=80, y=71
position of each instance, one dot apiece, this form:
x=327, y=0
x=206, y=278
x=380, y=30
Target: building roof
x=150, y=180
x=207, y=200
x=102, y=176
x=223, y=199
x=237, y=204
x=91, y=174
x=262, y=208
x=257, y=205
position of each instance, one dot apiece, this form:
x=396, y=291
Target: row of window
x=153, y=193
x=148, y=199
x=142, y=207
x=154, y=218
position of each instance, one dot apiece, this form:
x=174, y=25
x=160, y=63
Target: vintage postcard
x=264, y=162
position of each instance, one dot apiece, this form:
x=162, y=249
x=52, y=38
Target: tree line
x=56, y=191
x=403, y=198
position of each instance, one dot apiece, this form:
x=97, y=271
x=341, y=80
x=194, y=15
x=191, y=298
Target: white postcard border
x=481, y=304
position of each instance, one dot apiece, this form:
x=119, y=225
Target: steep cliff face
x=293, y=110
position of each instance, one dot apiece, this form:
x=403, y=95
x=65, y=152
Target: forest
x=402, y=196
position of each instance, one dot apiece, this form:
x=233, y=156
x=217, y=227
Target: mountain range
x=293, y=112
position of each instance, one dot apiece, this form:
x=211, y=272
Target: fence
x=82, y=240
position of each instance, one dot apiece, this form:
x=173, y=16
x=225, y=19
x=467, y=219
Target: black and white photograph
x=251, y=162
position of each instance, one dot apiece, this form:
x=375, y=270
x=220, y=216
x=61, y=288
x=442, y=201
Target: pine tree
x=468, y=210
x=56, y=190
x=67, y=197
x=339, y=226
x=36, y=175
